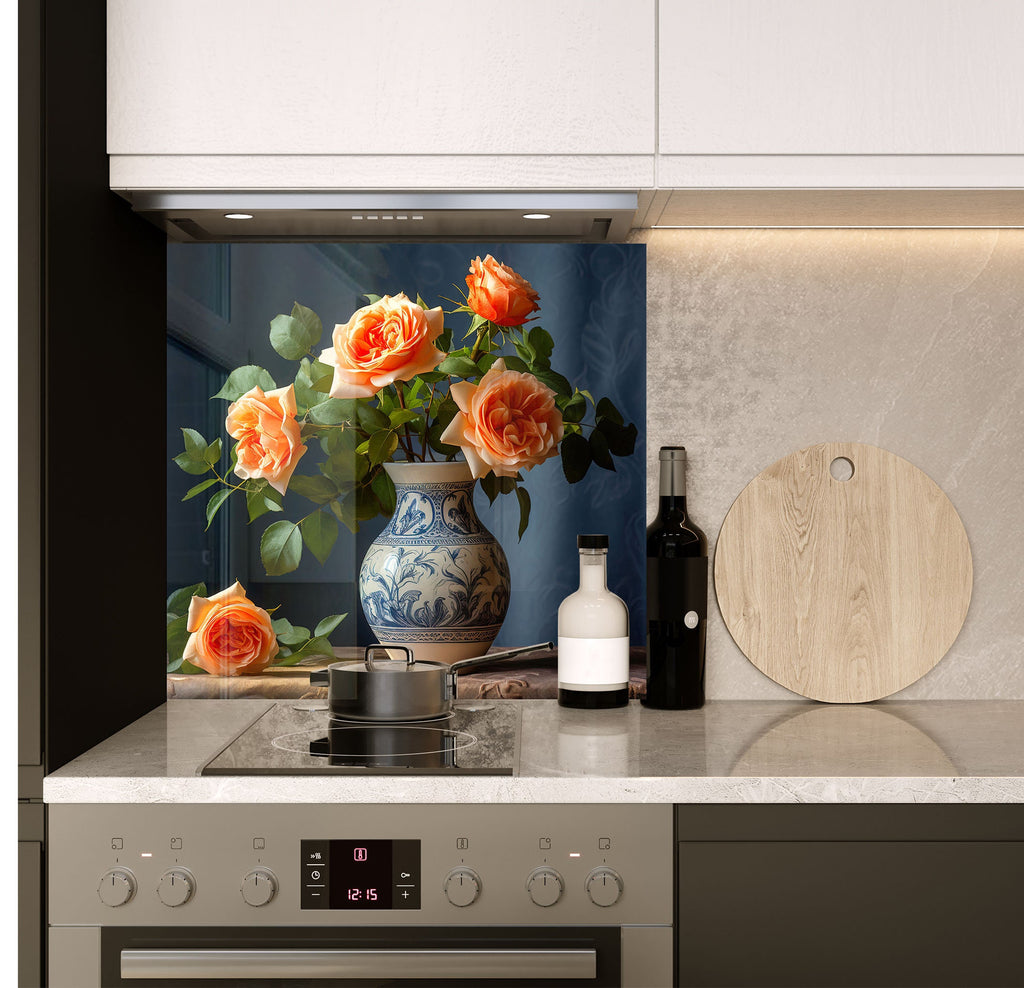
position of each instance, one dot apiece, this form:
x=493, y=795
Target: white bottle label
x=593, y=664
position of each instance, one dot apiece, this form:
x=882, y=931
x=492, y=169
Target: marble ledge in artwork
x=728, y=752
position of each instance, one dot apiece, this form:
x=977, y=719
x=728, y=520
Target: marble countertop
x=968, y=751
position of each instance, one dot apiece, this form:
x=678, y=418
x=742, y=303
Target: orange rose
x=389, y=340
x=506, y=423
x=498, y=294
x=230, y=636
x=269, y=443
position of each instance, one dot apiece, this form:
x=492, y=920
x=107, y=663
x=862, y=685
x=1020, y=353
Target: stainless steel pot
x=395, y=690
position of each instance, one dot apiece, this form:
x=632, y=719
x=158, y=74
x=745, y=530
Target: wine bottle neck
x=672, y=479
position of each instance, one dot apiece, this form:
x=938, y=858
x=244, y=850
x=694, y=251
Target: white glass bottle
x=593, y=635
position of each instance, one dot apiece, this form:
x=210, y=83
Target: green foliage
x=355, y=437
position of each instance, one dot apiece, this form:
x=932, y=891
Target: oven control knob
x=259, y=886
x=176, y=887
x=604, y=887
x=117, y=887
x=545, y=886
x=462, y=886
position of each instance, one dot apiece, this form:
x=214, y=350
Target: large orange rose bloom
x=389, y=340
x=230, y=636
x=269, y=444
x=506, y=423
x=498, y=294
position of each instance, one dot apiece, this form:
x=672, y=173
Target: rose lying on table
x=228, y=635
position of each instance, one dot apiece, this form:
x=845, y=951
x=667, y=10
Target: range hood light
x=238, y=216
x=536, y=216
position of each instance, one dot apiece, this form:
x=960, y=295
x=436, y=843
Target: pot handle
x=370, y=649
x=479, y=660
x=319, y=677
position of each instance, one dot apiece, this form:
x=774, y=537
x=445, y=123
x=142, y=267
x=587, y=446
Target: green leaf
x=371, y=298
x=382, y=445
x=514, y=363
x=367, y=506
x=213, y=451
x=307, y=394
x=177, y=638
x=401, y=416
x=259, y=500
x=575, y=457
x=328, y=624
x=384, y=488
x=287, y=633
x=621, y=438
x=315, y=646
x=523, y=496
x=319, y=532
x=294, y=336
x=372, y=419
x=572, y=409
x=194, y=443
x=281, y=548
x=459, y=366
x=179, y=601
x=559, y=384
x=334, y=411
x=243, y=379
x=345, y=511
x=489, y=485
x=607, y=410
x=193, y=460
x=542, y=345
x=599, y=450
x=319, y=489
x=199, y=488
x=213, y=505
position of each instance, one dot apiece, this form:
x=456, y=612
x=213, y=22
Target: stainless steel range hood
x=369, y=216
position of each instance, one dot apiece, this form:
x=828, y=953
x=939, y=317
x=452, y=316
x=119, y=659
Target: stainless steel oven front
x=411, y=894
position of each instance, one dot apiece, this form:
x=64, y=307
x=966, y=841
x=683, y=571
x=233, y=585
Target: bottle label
x=591, y=664
x=677, y=589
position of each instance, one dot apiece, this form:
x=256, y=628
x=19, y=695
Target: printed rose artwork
x=229, y=634
x=506, y=423
x=396, y=383
x=389, y=340
x=269, y=443
x=498, y=294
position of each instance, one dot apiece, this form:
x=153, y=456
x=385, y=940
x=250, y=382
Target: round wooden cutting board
x=843, y=590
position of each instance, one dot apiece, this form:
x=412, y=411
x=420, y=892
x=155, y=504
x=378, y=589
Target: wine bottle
x=593, y=635
x=677, y=594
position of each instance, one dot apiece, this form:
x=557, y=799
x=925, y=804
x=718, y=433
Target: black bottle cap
x=591, y=541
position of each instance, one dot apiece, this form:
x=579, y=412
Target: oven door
x=400, y=956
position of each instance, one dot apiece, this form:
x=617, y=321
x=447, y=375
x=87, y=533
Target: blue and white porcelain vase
x=435, y=579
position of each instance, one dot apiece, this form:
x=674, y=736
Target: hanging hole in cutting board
x=841, y=468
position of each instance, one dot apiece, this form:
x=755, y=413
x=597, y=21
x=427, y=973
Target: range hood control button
x=545, y=886
x=176, y=887
x=604, y=887
x=117, y=887
x=259, y=886
x=462, y=886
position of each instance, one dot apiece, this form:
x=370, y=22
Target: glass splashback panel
x=221, y=301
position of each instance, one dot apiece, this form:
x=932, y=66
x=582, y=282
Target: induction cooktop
x=299, y=737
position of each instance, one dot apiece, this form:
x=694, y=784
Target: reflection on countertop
x=729, y=751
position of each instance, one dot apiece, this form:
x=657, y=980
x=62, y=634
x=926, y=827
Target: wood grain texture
x=843, y=591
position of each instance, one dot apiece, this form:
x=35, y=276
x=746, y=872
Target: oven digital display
x=360, y=874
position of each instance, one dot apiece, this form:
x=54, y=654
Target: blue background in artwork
x=593, y=303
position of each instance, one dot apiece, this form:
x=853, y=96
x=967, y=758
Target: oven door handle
x=447, y=965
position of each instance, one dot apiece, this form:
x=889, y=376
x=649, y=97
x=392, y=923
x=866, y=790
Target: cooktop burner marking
x=299, y=742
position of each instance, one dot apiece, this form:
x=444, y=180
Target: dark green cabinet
x=824, y=896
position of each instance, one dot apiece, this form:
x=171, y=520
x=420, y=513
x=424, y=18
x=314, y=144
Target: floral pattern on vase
x=435, y=580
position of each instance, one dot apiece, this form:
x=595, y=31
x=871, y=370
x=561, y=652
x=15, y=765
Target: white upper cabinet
x=864, y=77
x=381, y=77
x=826, y=93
